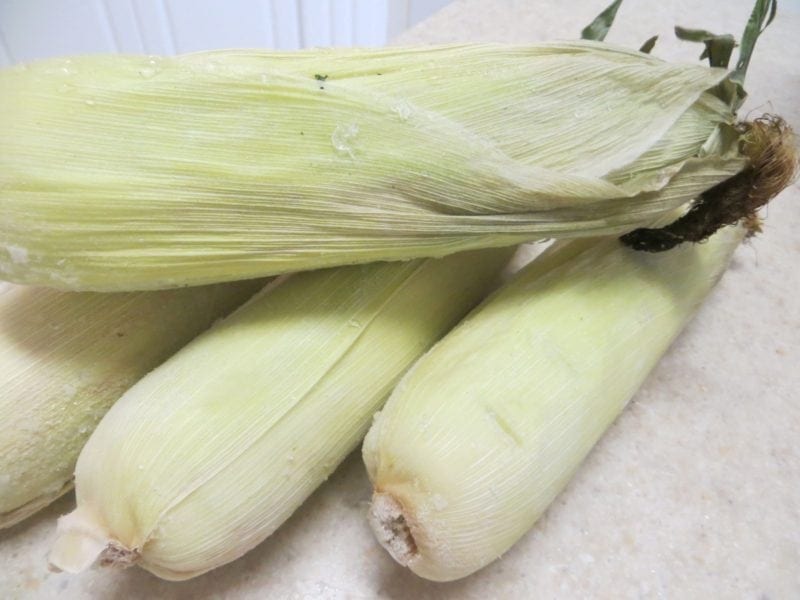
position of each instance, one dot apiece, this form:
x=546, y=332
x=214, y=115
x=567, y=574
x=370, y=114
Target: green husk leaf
x=598, y=29
x=763, y=13
x=648, y=46
x=718, y=48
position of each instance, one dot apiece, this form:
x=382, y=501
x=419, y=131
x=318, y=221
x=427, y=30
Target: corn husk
x=66, y=357
x=211, y=452
x=489, y=426
x=130, y=172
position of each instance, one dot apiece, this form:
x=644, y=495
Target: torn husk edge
x=769, y=144
x=81, y=542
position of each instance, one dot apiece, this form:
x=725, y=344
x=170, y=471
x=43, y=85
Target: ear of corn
x=483, y=432
x=211, y=452
x=229, y=165
x=66, y=357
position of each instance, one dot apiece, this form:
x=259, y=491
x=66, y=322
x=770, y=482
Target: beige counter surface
x=693, y=493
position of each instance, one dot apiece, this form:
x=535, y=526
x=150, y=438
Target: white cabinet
x=31, y=29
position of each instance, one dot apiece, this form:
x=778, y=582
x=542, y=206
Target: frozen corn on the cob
x=133, y=172
x=483, y=432
x=65, y=357
x=211, y=452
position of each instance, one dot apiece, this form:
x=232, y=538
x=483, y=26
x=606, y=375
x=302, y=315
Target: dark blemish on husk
x=769, y=144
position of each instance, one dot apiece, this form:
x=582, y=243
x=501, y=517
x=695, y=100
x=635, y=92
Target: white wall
x=31, y=29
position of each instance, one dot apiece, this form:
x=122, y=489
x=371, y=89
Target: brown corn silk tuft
x=768, y=142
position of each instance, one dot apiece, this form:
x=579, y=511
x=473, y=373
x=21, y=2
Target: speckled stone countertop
x=693, y=493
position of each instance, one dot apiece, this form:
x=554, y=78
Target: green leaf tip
x=648, y=46
x=762, y=15
x=598, y=29
x=718, y=48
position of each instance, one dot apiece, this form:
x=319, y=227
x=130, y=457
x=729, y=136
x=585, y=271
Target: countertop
x=693, y=493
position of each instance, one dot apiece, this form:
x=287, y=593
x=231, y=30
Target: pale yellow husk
x=211, y=452
x=483, y=432
x=65, y=357
x=229, y=165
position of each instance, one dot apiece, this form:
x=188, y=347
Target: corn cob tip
x=391, y=527
x=81, y=542
x=769, y=144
